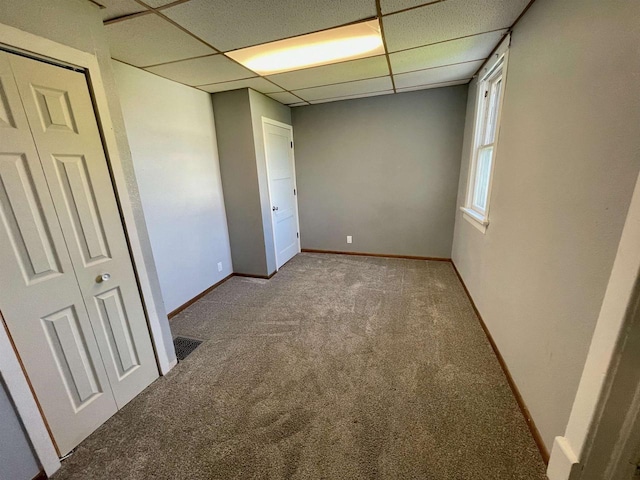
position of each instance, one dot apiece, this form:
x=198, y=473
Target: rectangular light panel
x=359, y=40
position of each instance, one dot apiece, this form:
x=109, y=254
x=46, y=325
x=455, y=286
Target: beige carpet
x=339, y=367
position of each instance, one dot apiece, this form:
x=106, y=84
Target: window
x=487, y=122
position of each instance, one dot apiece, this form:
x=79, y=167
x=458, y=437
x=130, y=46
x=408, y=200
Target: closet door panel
x=60, y=112
x=41, y=303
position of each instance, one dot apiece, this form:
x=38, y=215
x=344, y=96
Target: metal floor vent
x=184, y=346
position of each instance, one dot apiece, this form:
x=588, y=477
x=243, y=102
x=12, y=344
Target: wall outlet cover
x=349, y=239
x=219, y=266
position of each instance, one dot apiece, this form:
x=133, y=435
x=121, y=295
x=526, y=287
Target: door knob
x=105, y=277
x=274, y=208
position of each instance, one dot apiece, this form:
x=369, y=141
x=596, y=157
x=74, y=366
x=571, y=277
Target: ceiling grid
x=427, y=44
x=384, y=42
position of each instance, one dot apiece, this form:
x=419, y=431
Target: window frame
x=494, y=73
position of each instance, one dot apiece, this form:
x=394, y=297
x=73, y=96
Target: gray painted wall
x=263, y=106
x=174, y=150
x=566, y=163
x=17, y=460
x=382, y=169
x=244, y=176
x=234, y=130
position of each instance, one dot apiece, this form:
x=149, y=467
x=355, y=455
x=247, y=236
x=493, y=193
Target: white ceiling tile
x=149, y=40
x=232, y=24
x=257, y=83
x=285, y=97
x=202, y=71
x=157, y=3
x=437, y=75
x=350, y=97
x=119, y=8
x=336, y=73
x=433, y=85
x=448, y=20
x=446, y=53
x=346, y=89
x=388, y=6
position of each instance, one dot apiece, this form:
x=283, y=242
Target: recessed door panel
x=6, y=117
x=69, y=349
x=54, y=109
x=23, y=218
x=116, y=328
x=81, y=204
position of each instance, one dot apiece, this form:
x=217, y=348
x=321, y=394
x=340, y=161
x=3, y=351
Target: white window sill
x=475, y=219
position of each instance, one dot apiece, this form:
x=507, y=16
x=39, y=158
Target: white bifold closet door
x=68, y=293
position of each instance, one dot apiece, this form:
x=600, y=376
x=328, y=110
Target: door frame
x=270, y=121
x=11, y=370
x=600, y=435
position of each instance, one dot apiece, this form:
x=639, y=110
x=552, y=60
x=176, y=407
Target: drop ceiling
x=428, y=44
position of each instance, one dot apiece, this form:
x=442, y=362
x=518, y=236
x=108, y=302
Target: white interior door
x=74, y=178
x=278, y=143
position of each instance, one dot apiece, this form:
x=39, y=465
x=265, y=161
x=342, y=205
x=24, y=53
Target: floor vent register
x=184, y=346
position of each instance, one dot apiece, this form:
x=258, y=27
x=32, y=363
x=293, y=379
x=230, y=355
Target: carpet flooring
x=339, y=367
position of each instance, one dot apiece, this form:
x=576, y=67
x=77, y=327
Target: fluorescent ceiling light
x=359, y=40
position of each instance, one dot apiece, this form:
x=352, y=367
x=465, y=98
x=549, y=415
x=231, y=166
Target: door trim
x=587, y=450
x=25, y=403
x=26, y=43
x=270, y=121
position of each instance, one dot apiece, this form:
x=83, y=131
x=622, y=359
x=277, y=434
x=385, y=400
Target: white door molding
x=599, y=397
x=27, y=43
x=25, y=403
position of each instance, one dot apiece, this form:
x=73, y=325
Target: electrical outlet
x=349, y=239
x=219, y=266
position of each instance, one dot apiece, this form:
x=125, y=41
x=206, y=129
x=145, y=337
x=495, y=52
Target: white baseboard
x=169, y=366
x=563, y=464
